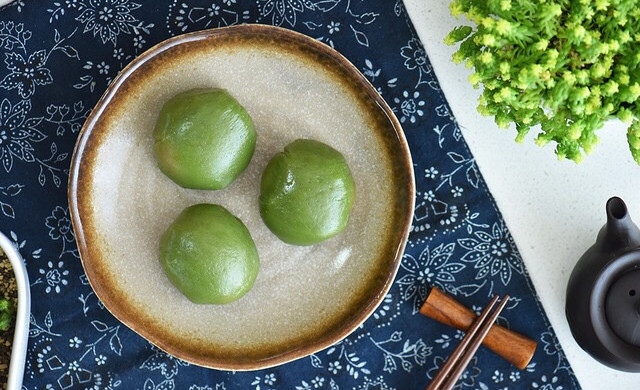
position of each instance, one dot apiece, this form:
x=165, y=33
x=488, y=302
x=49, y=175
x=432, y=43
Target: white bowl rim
x=21, y=333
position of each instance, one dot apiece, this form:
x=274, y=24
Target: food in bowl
x=305, y=298
x=209, y=255
x=203, y=139
x=15, y=284
x=306, y=193
x=8, y=303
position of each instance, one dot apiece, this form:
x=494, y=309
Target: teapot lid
x=614, y=310
x=622, y=306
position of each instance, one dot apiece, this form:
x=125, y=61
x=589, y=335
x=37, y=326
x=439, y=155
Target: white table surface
x=552, y=208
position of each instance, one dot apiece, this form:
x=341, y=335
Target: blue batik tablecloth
x=57, y=58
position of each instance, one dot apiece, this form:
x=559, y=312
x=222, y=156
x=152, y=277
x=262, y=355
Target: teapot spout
x=620, y=232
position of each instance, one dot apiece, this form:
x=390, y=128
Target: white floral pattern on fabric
x=26, y=73
x=107, y=19
x=17, y=133
x=492, y=253
x=432, y=268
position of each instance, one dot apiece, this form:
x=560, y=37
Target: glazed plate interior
x=305, y=298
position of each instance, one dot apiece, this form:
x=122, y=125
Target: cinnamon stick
x=512, y=346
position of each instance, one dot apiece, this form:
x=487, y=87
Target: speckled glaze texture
x=305, y=298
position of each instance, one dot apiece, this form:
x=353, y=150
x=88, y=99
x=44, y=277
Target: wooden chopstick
x=459, y=359
x=452, y=360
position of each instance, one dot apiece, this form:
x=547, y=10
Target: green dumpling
x=204, y=139
x=306, y=193
x=209, y=255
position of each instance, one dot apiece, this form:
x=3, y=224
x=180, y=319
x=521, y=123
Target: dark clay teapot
x=603, y=294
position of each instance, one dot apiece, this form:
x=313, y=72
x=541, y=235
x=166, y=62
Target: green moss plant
x=568, y=66
x=6, y=314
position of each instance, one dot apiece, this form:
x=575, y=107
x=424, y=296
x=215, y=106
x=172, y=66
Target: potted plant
x=567, y=66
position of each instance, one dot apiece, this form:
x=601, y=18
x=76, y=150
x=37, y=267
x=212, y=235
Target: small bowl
x=305, y=298
x=21, y=334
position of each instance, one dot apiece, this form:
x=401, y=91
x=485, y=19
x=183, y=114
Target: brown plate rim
x=343, y=329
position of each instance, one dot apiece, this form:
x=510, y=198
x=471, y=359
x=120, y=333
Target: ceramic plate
x=305, y=298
